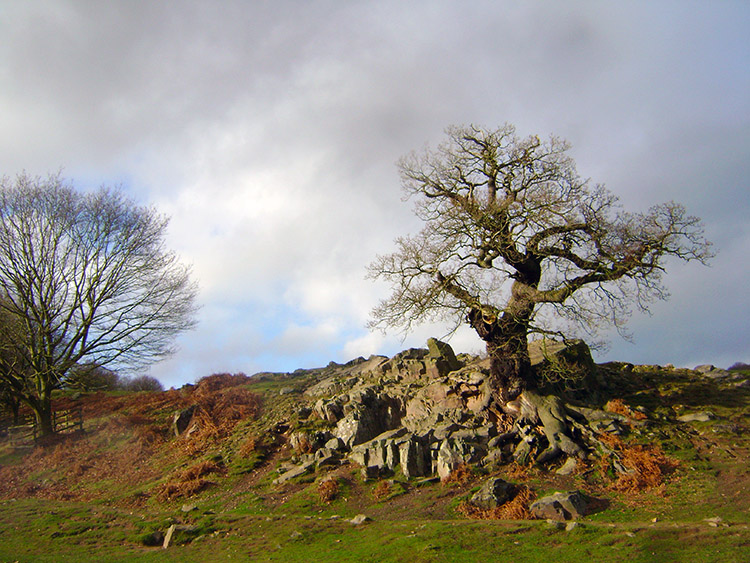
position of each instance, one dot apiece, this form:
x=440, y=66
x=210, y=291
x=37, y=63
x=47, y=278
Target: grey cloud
x=269, y=132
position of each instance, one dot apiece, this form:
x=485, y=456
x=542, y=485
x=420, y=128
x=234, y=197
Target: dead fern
x=617, y=406
x=646, y=465
x=328, y=490
x=459, y=476
x=382, y=490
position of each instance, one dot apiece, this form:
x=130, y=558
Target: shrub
x=141, y=383
x=328, y=489
x=212, y=383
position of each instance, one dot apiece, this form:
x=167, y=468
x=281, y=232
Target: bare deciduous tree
x=85, y=279
x=511, y=231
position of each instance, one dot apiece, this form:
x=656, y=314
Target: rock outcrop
x=423, y=412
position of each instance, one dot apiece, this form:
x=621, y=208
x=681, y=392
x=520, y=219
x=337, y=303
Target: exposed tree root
x=547, y=428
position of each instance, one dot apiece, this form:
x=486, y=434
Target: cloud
x=268, y=132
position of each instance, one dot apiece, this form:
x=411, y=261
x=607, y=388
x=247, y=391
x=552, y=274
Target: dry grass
x=382, y=490
x=189, y=482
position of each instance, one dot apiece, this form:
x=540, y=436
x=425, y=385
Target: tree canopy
x=514, y=240
x=85, y=279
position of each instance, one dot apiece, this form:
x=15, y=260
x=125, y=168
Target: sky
x=269, y=131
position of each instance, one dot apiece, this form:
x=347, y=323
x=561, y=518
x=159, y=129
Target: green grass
x=64, y=532
x=244, y=517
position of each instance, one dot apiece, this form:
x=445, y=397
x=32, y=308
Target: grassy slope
x=101, y=495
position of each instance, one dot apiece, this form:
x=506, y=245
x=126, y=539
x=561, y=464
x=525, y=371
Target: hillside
x=390, y=459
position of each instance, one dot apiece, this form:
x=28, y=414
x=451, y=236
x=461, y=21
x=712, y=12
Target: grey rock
x=334, y=444
x=181, y=420
x=448, y=460
x=328, y=410
x=443, y=356
x=370, y=472
x=568, y=467
x=609, y=426
x=445, y=430
x=413, y=458
x=494, y=457
x=563, y=506
x=359, y=519
x=179, y=533
x=369, y=414
x=712, y=372
x=329, y=460
x=326, y=388
x=703, y=416
x=296, y=471
x=494, y=492
x=382, y=451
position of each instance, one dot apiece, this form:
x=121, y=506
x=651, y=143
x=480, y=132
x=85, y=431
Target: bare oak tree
x=511, y=231
x=85, y=280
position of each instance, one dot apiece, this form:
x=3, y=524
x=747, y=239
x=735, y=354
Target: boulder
x=568, y=468
x=326, y=388
x=296, y=471
x=414, y=458
x=567, y=368
x=703, y=416
x=329, y=411
x=563, y=506
x=179, y=534
x=408, y=365
x=712, y=372
x=443, y=356
x=182, y=419
x=547, y=351
x=494, y=492
x=448, y=460
x=359, y=519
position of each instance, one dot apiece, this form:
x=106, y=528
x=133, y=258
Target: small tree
x=92, y=378
x=141, y=383
x=511, y=231
x=86, y=280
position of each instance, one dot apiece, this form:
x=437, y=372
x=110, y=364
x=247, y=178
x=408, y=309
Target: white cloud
x=269, y=131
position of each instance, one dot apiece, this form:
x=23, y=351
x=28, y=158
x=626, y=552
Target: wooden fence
x=27, y=433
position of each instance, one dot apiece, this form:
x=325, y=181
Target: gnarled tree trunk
x=510, y=366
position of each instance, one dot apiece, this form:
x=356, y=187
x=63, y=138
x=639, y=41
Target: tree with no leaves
x=85, y=280
x=512, y=235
